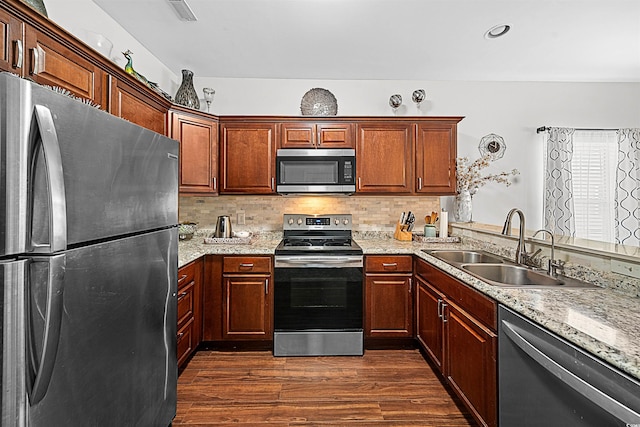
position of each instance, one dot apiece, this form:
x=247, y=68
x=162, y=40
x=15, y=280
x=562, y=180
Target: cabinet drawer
x=186, y=300
x=388, y=264
x=185, y=344
x=246, y=265
x=186, y=275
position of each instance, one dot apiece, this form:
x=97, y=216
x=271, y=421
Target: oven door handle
x=318, y=261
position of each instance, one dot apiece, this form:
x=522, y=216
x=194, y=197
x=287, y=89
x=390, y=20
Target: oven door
x=325, y=295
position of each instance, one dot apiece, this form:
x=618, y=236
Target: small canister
x=430, y=230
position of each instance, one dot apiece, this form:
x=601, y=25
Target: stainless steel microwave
x=315, y=171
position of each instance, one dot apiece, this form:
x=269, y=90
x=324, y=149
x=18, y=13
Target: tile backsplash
x=264, y=213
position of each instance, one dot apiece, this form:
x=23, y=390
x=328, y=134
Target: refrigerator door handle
x=55, y=181
x=591, y=393
x=40, y=371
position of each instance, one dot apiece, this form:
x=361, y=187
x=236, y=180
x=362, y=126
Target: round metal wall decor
x=492, y=145
x=319, y=102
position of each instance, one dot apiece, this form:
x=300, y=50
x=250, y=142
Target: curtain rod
x=546, y=128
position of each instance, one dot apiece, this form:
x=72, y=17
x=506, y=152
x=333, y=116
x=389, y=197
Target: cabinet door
x=436, y=158
x=189, y=309
x=335, y=135
x=471, y=363
x=384, y=158
x=198, y=153
x=389, y=311
x=48, y=62
x=429, y=325
x=130, y=104
x=11, y=43
x=298, y=135
x=247, y=158
x=247, y=307
x=316, y=135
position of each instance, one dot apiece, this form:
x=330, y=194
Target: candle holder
x=208, y=96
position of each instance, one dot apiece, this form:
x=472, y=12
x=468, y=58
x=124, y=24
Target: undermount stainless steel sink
x=507, y=275
x=465, y=256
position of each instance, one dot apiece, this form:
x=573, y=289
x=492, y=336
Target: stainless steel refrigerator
x=88, y=263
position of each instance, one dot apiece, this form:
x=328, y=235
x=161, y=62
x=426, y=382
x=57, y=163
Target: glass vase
x=463, y=207
x=186, y=94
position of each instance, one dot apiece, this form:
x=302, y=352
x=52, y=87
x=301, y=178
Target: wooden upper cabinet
x=384, y=157
x=131, y=104
x=316, y=135
x=436, y=147
x=247, y=157
x=198, y=138
x=11, y=43
x=34, y=47
x=49, y=62
x=28, y=52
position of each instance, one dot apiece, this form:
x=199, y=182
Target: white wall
x=512, y=110
x=80, y=17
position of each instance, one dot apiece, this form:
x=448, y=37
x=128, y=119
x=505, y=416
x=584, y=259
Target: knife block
x=401, y=234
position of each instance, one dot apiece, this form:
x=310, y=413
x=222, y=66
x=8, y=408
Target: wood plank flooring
x=383, y=388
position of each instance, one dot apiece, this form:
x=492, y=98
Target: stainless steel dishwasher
x=543, y=380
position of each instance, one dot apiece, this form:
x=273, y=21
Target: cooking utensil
x=223, y=227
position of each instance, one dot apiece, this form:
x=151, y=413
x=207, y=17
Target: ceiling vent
x=183, y=10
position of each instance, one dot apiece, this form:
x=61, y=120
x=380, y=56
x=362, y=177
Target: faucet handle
x=531, y=260
x=556, y=265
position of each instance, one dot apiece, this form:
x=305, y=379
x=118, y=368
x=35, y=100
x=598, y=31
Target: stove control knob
x=290, y=221
x=299, y=221
x=345, y=221
x=337, y=221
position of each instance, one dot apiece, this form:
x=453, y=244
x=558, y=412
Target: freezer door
x=13, y=396
x=115, y=358
x=72, y=174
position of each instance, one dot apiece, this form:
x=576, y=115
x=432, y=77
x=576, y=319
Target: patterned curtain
x=627, y=197
x=558, y=185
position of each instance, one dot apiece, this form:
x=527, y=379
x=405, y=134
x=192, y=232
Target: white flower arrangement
x=470, y=179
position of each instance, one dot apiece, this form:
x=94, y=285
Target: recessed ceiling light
x=497, y=31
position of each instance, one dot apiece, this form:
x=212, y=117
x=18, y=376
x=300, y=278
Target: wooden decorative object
x=401, y=233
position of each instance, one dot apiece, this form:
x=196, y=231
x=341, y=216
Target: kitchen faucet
x=554, y=265
x=521, y=250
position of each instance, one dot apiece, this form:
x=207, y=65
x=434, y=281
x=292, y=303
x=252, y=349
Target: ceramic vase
x=463, y=207
x=186, y=94
x=37, y=5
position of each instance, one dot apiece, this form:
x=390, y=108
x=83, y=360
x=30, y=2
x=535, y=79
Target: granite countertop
x=602, y=321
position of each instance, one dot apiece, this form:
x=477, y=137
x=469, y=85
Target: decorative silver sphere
x=395, y=101
x=418, y=96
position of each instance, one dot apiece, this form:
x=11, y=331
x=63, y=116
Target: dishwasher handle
x=588, y=391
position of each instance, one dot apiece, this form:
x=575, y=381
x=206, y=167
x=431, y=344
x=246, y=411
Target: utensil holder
x=401, y=233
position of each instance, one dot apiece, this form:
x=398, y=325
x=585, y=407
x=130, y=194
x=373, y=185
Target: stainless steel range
x=318, y=288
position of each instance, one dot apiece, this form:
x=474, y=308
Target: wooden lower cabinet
x=189, y=310
x=471, y=363
x=388, y=297
x=238, y=298
x=429, y=325
x=456, y=327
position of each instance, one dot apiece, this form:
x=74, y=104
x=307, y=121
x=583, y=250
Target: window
x=593, y=169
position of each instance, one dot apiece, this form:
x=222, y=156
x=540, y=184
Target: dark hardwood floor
x=383, y=388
